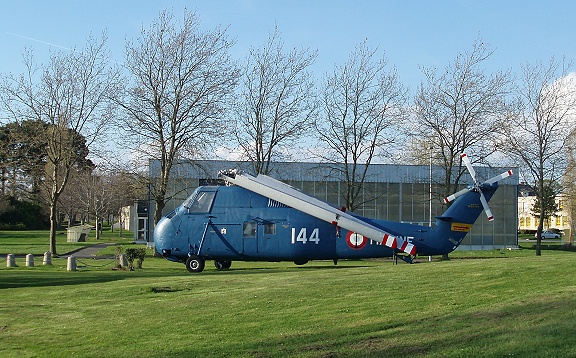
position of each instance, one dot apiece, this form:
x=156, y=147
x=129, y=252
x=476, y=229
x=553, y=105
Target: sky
x=411, y=34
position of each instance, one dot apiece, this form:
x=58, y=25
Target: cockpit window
x=201, y=203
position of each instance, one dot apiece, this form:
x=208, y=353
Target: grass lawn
x=509, y=303
x=37, y=242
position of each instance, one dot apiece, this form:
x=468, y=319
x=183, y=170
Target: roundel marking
x=356, y=241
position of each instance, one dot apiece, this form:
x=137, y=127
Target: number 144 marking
x=303, y=237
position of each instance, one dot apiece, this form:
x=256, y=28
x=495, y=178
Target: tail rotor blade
x=455, y=195
x=468, y=164
x=486, y=207
x=499, y=177
x=477, y=187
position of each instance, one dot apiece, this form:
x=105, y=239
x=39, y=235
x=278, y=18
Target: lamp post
x=430, y=191
x=430, y=197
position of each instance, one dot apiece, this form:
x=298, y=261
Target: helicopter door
x=259, y=239
x=198, y=213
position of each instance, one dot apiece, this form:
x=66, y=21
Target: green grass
x=38, y=242
x=514, y=304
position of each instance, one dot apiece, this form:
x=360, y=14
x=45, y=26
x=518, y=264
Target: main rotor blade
x=288, y=195
x=468, y=164
x=499, y=177
x=485, y=206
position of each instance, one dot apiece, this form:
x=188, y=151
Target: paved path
x=89, y=251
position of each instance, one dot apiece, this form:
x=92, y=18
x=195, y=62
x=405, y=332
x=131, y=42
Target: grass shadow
x=14, y=279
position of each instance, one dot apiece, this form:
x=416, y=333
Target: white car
x=548, y=235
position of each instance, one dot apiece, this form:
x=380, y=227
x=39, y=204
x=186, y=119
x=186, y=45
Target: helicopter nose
x=164, y=234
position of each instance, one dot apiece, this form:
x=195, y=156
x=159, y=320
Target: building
x=528, y=223
x=405, y=193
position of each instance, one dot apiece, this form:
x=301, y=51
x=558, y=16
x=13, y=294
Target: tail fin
x=457, y=220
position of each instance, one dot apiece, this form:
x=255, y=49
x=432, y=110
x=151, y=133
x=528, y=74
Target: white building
x=528, y=223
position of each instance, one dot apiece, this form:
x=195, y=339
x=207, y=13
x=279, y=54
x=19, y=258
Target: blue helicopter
x=262, y=219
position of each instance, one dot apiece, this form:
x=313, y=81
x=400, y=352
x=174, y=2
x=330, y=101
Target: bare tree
x=182, y=79
x=71, y=94
x=95, y=196
x=70, y=202
x=458, y=110
x=538, y=129
x=276, y=102
x=125, y=189
x=363, y=104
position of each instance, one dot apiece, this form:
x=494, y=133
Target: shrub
x=135, y=254
x=22, y=215
x=119, y=250
x=14, y=227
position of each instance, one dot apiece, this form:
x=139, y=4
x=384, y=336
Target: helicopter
x=258, y=218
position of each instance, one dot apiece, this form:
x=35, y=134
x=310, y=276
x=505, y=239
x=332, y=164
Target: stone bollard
x=10, y=260
x=71, y=266
x=123, y=260
x=47, y=258
x=30, y=260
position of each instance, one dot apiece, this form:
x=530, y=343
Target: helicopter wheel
x=301, y=262
x=195, y=263
x=222, y=265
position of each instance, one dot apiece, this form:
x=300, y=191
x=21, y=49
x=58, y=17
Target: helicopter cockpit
x=200, y=201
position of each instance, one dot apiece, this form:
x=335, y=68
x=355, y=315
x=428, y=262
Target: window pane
x=270, y=229
x=249, y=229
x=202, y=203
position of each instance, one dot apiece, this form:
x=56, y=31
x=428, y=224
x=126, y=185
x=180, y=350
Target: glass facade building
x=405, y=193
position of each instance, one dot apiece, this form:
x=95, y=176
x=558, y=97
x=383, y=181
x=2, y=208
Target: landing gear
x=195, y=263
x=301, y=262
x=406, y=258
x=222, y=265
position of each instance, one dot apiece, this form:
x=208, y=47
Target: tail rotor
x=477, y=186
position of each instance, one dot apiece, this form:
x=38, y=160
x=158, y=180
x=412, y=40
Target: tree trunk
x=539, y=233
x=120, y=221
x=98, y=227
x=53, y=225
x=158, y=211
x=3, y=179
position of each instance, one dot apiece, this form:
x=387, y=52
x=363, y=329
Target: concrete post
x=71, y=265
x=123, y=260
x=30, y=260
x=47, y=258
x=10, y=260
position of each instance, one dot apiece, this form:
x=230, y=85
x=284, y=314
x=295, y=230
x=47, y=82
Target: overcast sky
x=412, y=34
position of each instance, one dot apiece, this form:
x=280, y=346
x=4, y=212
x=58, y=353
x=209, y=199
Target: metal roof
x=307, y=171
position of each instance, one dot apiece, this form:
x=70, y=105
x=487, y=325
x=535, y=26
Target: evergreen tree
x=547, y=202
